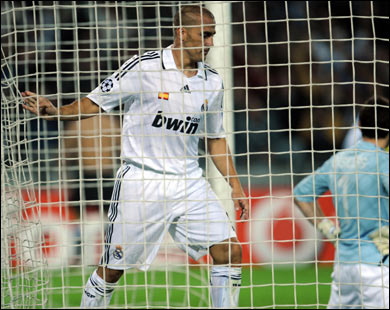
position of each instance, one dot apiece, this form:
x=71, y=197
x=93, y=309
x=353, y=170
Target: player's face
x=201, y=38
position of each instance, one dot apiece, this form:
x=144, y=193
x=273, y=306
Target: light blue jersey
x=359, y=182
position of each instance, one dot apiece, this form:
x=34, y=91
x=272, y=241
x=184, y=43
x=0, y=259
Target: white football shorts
x=359, y=286
x=145, y=205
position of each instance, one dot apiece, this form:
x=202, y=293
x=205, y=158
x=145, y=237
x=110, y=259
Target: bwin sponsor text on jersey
x=189, y=126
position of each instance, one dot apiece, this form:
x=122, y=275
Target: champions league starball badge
x=106, y=85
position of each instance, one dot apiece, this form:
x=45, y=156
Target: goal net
x=23, y=266
x=295, y=75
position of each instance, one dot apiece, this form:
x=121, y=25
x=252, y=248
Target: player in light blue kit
x=359, y=182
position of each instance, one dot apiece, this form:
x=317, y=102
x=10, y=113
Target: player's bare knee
x=236, y=253
x=110, y=275
x=229, y=252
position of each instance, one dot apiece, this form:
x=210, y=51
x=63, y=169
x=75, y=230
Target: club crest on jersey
x=205, y=106
x=106, y=85
x=189, y=126
x=118, y=253
x=164, y=96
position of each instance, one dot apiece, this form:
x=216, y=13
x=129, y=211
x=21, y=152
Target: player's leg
x=203, y=225
x=375, y=286
x=225, y=277
x=227, y=252
x=345, y=288
x=134, y=234
x=226, y=273
x=100, y=287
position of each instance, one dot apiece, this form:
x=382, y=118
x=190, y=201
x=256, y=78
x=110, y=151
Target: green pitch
x=304, y=287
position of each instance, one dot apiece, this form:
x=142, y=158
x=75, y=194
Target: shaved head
x=189, y=16
x=194, y=30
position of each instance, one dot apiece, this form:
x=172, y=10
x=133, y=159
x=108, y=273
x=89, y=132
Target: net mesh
x=298, y=73
x=23, y=266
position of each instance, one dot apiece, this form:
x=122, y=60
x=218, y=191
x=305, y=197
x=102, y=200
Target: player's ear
x=181, y=33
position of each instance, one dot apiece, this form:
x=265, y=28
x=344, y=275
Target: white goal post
x=295, y=74
x=221, y=58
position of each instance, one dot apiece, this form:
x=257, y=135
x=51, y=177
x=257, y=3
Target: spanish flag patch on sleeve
x=164, y=96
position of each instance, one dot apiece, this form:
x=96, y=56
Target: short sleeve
x=214, y=117
x=384, y=173
x=121, y=87
x=313, y=185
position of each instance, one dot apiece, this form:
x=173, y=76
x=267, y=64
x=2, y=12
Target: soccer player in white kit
x=358, y=179
x=170, y=100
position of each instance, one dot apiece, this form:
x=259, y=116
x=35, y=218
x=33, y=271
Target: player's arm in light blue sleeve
x=314, y=185
x=307, y=191
x=305, y=195
x=384, y=178
x=385, y=174
x=380, y=237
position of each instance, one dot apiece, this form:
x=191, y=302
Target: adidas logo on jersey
x=185, y=89
x=189, y=126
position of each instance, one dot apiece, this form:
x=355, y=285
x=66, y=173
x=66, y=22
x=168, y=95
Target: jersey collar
x=168, y=63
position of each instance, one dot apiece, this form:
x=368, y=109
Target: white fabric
x=225, y=286
x=358, y=286
x=149, y=205
x=163, y=134
x=97, y=292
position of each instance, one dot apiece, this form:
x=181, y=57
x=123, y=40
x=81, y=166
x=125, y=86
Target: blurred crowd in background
x=300, y=69
x=327, y=78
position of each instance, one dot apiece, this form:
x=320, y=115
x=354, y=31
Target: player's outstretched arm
x=221, y=156
x=44, y=108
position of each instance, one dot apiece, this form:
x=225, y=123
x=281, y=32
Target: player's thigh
x=141, y=202
x=137, y=220
x=202, y=223
x=375, y=280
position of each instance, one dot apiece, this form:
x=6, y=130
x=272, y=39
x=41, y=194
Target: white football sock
x=97, y=292
x=225, y=286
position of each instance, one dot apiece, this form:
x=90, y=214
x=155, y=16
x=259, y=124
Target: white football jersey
x=165, y=112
